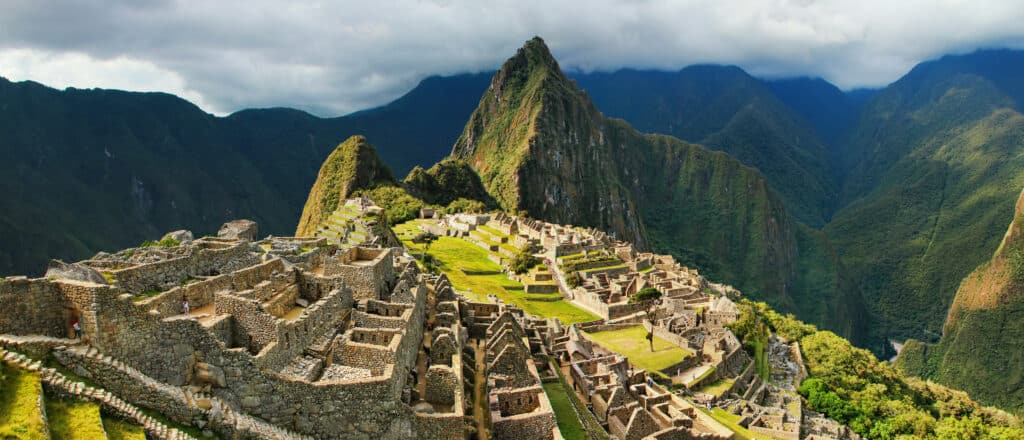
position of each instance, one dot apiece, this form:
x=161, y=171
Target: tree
x=426, y=238
x=650, y=298
x=524, y=261
x=573, y=279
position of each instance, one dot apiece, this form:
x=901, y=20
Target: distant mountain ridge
x=91, y=170
x=726, y=109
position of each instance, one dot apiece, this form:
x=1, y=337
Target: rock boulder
x=239, y=230
x=73, y=271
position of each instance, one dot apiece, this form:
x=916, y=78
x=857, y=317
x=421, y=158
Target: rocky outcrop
x=239, y=230
x=181, y=236
x=73, y=271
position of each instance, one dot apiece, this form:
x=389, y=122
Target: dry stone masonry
x=342, y=336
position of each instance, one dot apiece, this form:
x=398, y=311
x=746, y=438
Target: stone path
x=222, y=413
x=52, y=378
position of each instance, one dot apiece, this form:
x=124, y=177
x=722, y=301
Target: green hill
x=726, y=109
x=541, y=146
x=352, y=166
x=92, y=170
x=936, y=163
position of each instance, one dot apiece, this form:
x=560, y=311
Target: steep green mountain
x=541, y=146
x=724, y=108
x=352, y=166
x=91, y=170
x=936, y=163
x=982, y=345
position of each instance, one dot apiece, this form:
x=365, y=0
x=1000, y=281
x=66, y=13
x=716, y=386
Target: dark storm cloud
x=335, y=57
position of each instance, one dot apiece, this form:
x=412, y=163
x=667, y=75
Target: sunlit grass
x=632, y=343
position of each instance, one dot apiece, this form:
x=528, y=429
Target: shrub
x=166, y=243
x=465, y=205
x=524, y=261
x=574, y=280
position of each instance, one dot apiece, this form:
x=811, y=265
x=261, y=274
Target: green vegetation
x=568, y=421
x=20, y=414
x=165, y=242
x=449, y=182
x=702, y=376
x=623, y=342
x=732, y=421
x=524, y=261
x=726, y=109
x=398, y=205
x=122, y=430
x=573, y=279
x=874, y=398
x=465, y=205
x=596, y=261
x=74, y=419
x=649, y=297
x=472, y=273
x=717, y=388
x=936, y=165
x=353, y=165
x=109, y=277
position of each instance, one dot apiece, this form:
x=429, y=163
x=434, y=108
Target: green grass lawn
x=492, y=231
x=74, y=419
x=631, y=343
x=568, y=421
x=20, y=415
x=122, y=430
x=761, y=358
x=731, y=421
x=457, y=255
x=717, y=388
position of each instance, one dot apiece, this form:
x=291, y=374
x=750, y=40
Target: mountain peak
x=353, y=165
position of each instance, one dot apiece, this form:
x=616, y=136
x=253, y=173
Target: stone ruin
x=284, y=338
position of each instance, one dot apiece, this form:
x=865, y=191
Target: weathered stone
x=73, y=271
x=181, y=236
x=239, y=230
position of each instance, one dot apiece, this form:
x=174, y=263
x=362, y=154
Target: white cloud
x=335, y=57
x=71, y=69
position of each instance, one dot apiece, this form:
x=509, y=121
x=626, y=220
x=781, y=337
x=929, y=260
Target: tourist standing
x=77, y=327
x=184, y=305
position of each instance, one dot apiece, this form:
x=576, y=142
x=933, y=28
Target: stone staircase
x=222, y=417
x=61, y=384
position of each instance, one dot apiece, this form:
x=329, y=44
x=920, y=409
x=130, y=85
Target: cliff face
x=982, y=346
x=353, y=165
x=541, y=146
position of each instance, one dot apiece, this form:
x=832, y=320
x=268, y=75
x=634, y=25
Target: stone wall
x=367, y=271
x=442, y=384
x=33, y=307
x=256, y=324
x=521, y=414
x=201, y=261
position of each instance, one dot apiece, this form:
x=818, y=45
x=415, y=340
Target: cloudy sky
x=331, y=58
